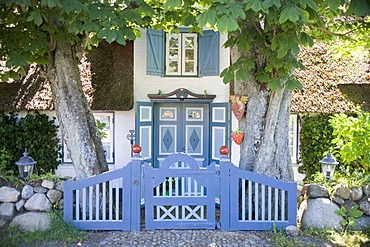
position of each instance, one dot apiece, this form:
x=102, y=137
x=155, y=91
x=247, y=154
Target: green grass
x=59, y=232
x=315, y=237
x=349, y=238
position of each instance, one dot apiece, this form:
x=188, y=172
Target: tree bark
x=265, y=148
x=73, y=111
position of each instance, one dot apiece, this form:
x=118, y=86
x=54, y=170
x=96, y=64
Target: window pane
x=189, y=42
x=174, y=42
x=173, y=66
x=194, y=114
x=168, y=114
x=189, y=66
x=173, y=54
x=107, y=151
x=189, y=54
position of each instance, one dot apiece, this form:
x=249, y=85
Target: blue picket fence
x=108, y=201
x=251, y=201
x=180, y=195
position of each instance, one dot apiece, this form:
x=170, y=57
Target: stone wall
x=27, y=206
x=317, y=206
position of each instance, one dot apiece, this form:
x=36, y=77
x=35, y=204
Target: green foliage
x=349, y=217
x=347, y=137
x=30, y=29
x=352, y=140
x=342, y=176
x=269, y=32
x=37, y=133
x=101, y=126
x=281, y=239
x=333, y=238
x=315, y=140
x=5, y=158
x=50, y=176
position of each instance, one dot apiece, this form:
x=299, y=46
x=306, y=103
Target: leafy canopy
x=30, y=28
x=270, y=30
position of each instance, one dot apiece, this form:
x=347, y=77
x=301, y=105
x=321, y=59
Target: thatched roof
x=29, y=93
x=330, y=85
x=107, y=81
x=357, y=93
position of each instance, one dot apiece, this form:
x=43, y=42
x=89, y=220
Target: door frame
x=179, y=126
x=219, y=117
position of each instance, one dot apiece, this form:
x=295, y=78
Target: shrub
x=37, y=133
x=315, y=140
x=352, y=140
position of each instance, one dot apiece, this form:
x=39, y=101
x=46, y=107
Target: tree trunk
x=74, y=114
x=265, y=147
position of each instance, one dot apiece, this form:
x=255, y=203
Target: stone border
x=317, y=206
x=27, y=208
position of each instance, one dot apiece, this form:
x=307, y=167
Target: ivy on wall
x=315, y=138
x=37, y=133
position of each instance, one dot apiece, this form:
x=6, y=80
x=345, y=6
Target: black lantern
x=328, y=164
x=25, y=165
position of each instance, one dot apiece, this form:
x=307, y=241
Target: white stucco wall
x=146, y=84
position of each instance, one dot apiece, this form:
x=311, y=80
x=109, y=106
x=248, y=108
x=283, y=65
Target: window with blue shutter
x=155, y=52
x=209, y=53
x=179, y=57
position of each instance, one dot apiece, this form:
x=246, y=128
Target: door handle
x=185, y=150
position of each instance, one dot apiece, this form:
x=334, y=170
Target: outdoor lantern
x=25, y=165
x=328, y=164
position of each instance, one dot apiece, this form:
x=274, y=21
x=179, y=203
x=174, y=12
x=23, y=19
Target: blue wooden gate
x=108, y=201
x=180, y=194
x=251, y=201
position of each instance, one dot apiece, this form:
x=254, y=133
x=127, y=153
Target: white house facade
x=195, y=119
x=180, y=103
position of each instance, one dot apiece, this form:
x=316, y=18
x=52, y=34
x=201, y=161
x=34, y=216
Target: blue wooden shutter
x=209, y=53
x=144, y=128
x=155, y=52
x=219, y=129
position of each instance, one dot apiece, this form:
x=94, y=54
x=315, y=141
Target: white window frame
x=183, y=61
x=293, y=137
x=181, y=54
x=108, y=141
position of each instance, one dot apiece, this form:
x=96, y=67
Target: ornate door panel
x=181, y=127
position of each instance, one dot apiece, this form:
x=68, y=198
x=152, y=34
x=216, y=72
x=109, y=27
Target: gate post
x=135, y=188
x=225, y=189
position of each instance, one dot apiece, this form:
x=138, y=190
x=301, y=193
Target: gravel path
x=177, y=238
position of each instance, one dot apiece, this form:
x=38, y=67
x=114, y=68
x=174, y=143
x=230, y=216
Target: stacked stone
x=317, y=206
x=27, y=208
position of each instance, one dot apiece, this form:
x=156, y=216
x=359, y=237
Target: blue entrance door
x=181, y=127
x=199, y=129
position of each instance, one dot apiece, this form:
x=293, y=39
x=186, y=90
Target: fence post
x=225, y=189
x=292, y=204
x=67, y=202
x=135, y=188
